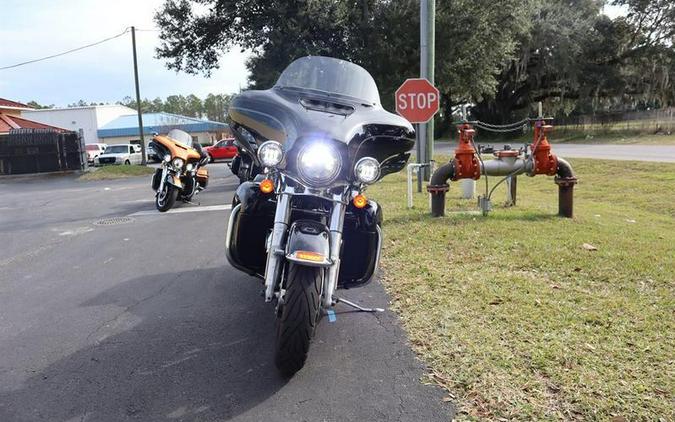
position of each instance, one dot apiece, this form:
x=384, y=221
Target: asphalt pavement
x=661, y=153
x=111, y=311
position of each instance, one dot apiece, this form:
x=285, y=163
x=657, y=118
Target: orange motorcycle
x=183, y=173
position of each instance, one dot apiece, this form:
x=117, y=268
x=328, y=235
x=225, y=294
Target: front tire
x=127, y=163
x=299, y=317
x=165, y=199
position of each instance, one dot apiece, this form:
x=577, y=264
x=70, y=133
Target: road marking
x=183, y=210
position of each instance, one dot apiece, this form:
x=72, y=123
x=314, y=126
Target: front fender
x=175, y=180
x=308, y=244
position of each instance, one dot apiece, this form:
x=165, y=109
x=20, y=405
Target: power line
x=66, y=52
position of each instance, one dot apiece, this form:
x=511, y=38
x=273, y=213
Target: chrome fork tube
x=275, y=247
x=337, y=218
x=162, y=180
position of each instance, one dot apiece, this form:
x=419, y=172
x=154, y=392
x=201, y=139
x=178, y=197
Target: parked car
x=222, y=150
x=152, y=154
x=120, y=154
x=93, y=151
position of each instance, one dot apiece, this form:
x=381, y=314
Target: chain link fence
x=661, y=121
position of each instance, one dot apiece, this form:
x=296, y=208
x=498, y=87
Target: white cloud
x=34, y=29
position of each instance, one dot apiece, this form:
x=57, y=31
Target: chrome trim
x=162, y=180
x=230, y=225
x=379, y=252
x=228, y=239
x=337, y=218
x=325, y=263
x=276, y=244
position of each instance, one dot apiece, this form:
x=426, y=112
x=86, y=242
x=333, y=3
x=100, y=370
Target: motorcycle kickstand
x=355, y=305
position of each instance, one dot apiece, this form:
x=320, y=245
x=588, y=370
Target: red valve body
x=545, y=162
x=466, y=163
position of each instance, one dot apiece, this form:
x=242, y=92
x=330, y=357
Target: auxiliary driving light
x=367, y=170
x=178, y=163
x=270, y=153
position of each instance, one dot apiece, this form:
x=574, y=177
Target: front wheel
x=127, y=163
x=165, y=199
x=299, y=317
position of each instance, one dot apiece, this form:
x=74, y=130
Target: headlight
x=367, y=170
x=167, y=158
x=178, y=163
x=318, y=163
x=189, y=167
x=270, y=153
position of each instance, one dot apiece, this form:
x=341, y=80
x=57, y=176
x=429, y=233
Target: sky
x=35, y=28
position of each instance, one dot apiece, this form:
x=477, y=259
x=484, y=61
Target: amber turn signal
x=360, y=201
x=309, y=256
x=267, y=186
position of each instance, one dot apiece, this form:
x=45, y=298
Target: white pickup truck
x=120, y=154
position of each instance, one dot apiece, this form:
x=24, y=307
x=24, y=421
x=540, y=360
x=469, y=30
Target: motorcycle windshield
x=329, y=76
x=181, y=137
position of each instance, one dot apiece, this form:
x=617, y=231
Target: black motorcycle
x=308, y=149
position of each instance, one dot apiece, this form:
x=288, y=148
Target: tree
x=215, y=107
x=174, y=104
x=381, y=35
x=36, y=105
x=576, y=60
x=193, y=106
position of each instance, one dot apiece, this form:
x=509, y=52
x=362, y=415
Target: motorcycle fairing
x=176, y=149
x=282, y=115
x=253, y=217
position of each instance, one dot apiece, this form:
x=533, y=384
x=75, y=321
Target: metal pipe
x=511, y=190
x=416, y=167
x=438, y=186
x=565, y=179
x=513, y=166
x=505, y=166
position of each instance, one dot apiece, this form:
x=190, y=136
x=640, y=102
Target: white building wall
x=106, y=114
x=88, y=119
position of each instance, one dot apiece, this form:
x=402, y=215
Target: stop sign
x=417, y=100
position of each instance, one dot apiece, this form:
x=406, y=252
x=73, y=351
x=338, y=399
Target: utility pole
x=427, y=58
x=138, y=97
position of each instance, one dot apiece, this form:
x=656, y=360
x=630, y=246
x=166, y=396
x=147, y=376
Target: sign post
x=427, y=60
x=418, y=100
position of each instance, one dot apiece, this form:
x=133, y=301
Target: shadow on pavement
x=188, y=346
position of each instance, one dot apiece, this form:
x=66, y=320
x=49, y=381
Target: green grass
x=116, y=172
x=517, y=320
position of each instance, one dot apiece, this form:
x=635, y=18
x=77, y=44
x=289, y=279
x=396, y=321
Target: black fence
x=661, y=121
x=39, y=150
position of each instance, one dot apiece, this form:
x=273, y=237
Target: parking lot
x=110, y=310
